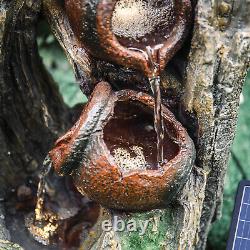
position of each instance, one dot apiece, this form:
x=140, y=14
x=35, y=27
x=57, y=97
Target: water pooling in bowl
x=143, y=26
x=141, y=23
x=132, y=140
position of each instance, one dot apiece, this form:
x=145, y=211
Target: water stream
x=158, y=120
x=155, y=82
x=41, y=190
x=151, y=55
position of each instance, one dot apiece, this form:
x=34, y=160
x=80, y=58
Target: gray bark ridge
x=32, y=113
x=217, y=67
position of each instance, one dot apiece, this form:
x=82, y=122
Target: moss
x=6, y=245
x=159, y=234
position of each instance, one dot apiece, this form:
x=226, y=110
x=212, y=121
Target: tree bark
x=32, y=113
x=218, y=64
x=207, y=86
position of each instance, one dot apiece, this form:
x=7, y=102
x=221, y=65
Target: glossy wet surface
x=140, y=23
x=66, y=211
x=133, y=126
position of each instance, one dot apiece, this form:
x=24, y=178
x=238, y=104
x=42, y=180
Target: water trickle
x=158, y=121
x=60, y=211
x=155, y=82
x=42, y=225
x=42, y=189
x=131, y=138
x=151, y=55
x=143, y=26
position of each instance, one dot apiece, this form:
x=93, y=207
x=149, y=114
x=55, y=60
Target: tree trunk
x=32, y=112
x=205, y=92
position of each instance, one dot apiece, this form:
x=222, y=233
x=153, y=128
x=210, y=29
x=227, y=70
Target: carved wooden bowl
x=111, y=152
x=120, y=30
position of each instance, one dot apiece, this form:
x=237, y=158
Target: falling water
x=42, y=189
x=140, y=25
x=42, y=225
x=158, y=121
x=155, y=81
x=151, y=54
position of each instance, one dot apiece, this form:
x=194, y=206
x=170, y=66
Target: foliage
x=62, y=72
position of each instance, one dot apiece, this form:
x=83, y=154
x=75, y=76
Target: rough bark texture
x=32, y=112
x=33, y=115
x=218, y=63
